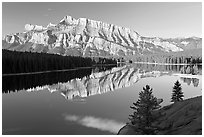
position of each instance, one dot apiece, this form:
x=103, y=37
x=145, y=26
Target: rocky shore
x=181, y=118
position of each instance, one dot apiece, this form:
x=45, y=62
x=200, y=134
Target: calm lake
x=86, y=101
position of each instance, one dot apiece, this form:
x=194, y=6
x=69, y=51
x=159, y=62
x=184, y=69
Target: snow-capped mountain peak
x=86, y=37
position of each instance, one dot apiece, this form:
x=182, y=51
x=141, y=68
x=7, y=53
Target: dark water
x=18, y=82
x=86, y=101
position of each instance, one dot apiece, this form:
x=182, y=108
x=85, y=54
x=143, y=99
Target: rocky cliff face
x=99, y=83
x=87, y=37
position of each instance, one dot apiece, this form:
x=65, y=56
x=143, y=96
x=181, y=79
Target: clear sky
x=148, y=19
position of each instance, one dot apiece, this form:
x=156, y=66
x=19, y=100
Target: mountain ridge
x=86, y=37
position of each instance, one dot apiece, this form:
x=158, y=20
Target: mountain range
x=86, y=37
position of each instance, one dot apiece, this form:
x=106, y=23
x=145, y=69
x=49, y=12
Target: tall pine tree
x=177, y=94
x=143, y=117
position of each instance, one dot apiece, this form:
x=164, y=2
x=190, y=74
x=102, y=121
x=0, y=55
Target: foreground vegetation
x=25, y=62
x=143, y=115
x=181, y=117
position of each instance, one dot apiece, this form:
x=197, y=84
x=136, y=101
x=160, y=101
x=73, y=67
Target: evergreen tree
x=143, y=117
x=177, y=94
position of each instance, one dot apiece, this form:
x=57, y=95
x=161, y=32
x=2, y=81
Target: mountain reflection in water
x=100, y=82
x=87, y=82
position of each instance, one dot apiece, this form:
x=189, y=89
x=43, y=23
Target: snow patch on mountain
x=185, y=43
x=89, y=37
x=29, y=27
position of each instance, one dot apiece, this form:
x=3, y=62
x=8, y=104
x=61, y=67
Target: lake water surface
x=86, y=101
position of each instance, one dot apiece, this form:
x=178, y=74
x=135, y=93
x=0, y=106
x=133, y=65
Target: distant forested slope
x=187, y=57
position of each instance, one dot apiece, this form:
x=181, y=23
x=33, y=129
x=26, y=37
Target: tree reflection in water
x=194, y=81
x=15, y=83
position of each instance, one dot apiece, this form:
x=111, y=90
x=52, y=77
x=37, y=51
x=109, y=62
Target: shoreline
x=187, y=75
x=49, y=71
x=63, y=70
x=165, y=63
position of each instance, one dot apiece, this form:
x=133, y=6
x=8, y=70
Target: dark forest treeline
x=182, y=57
x=169, y=59
x=25, y=62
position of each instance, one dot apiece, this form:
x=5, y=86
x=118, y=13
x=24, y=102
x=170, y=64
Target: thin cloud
x=49, y=9
x=98, y=123
x=102, y=124
x=71, y=118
